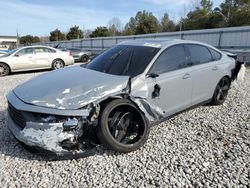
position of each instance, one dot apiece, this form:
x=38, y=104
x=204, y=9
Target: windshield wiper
x=117, y=54
x=113, y=58
x=129, y=63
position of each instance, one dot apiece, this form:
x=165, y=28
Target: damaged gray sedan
x=118, y=96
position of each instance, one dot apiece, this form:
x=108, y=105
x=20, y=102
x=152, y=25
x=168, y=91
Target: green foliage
x=100, y=32
x=56, y=35
x=196, y=19
x=215, y=20
x=143, y=23
x=206, y=5
x=166, y=25
x=74, y=33
x=236, y=12
x=28, y=39
x=115, y=27
x=230, y=13
x=241, y=17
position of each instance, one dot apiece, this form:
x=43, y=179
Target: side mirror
x=16, y=55
x=152, y=75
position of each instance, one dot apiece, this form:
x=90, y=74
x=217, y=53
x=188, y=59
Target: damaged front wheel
x=122, y=127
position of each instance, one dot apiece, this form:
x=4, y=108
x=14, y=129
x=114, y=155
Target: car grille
x=16, y=116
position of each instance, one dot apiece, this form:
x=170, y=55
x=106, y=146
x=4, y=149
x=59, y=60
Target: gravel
x=205, y=147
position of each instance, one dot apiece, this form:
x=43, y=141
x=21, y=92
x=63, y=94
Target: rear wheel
x=57, y=64
x=122, y=127
x=4, y=69
x=84, y=58
x=221, y=91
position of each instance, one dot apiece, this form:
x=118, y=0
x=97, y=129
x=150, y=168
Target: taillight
x=70, y=53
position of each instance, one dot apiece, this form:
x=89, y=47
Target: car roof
x=159, y=43
x=37, y=46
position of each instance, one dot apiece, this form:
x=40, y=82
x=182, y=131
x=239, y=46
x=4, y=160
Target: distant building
x=8, y=42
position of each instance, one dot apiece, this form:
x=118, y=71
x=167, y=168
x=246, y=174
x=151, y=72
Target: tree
x=206, y=5
x=28, y=39
x=143, y=23
x=74, y=33
x=114, y=26
x=166, y=24
x=100, y=32
x=56, y=35
x=130, y=27
x=215, y=20
x=241, y=17
x=234, y=10
x=199, y=18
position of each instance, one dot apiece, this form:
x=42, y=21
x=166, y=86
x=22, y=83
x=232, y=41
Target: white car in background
x=34, y=58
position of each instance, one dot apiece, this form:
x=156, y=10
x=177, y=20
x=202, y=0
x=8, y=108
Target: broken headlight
x=70, y=123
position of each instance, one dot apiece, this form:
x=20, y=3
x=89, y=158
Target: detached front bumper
x=51, y=137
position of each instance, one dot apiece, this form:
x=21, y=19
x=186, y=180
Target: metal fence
x=235, y=38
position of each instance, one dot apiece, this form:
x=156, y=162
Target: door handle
x=215, y=68
x=186, y=76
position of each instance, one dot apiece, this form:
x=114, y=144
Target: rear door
x=42, y=57
x=174, y=81
x=205, y=72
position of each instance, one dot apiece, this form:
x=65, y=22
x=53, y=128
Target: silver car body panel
x=70, y=88
x=69, y=92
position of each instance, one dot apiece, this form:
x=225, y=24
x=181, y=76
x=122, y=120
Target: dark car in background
x=79, y=54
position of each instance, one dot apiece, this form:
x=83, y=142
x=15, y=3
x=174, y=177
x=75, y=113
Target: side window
x=25, y=51
x=51, y=50
x=41, y=50
x=171, y=59
x=199, y=54
x=216, y=55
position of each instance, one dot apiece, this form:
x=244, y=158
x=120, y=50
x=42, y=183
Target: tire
x=221, y=91
x=118, y=121
x=84, y=58
x=4, y=69
x=57, y=64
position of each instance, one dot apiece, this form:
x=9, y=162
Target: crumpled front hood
x=70, y=88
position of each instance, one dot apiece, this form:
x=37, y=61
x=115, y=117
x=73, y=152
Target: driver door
x=169, y=81
x=24, y=59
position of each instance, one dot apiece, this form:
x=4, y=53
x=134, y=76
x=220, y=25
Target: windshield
x=124, y=60
x=9, y=53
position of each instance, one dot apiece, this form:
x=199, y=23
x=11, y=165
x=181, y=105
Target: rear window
x=199, y=54
x=216, y=55
x=51, y=50
x=124, y=60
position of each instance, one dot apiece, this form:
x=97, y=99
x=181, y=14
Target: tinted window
x=216, y=55
x=124, y=60
x=173, y=58
x=25, y=51
x=120, y=62
x=199, y=54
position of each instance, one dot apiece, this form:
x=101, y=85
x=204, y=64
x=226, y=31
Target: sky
x=40, y=17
